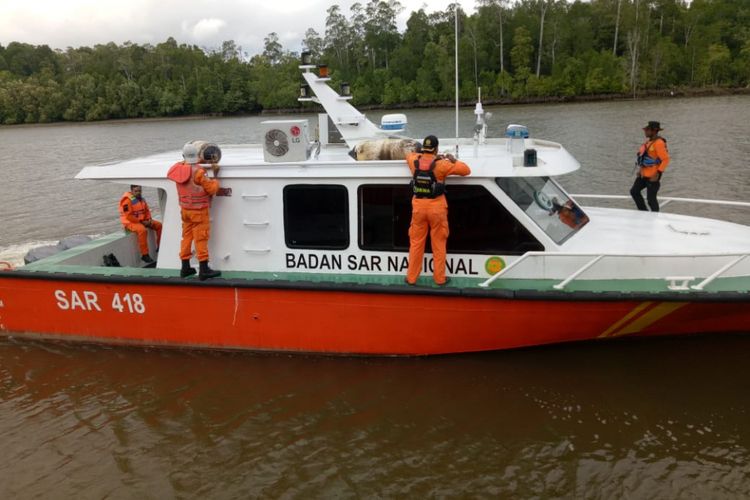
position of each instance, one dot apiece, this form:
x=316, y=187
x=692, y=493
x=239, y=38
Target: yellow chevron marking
x=651, y=317
x=636, y=310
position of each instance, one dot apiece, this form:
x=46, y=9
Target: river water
x=649, y=418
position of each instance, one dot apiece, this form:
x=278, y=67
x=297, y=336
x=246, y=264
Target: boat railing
x=588, y=261
x=665, y=200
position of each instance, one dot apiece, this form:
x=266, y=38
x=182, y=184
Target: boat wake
x=13, y=254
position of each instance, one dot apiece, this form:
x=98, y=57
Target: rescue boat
x=312, y=244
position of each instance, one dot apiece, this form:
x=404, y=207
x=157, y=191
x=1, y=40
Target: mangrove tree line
x=513, y=50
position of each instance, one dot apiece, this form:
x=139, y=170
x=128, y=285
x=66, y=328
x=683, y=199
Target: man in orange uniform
x=135, y=216
x=195, y=194
x=429, y=208
x=652, y=160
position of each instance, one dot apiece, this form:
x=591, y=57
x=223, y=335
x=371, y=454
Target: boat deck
x=73, y=265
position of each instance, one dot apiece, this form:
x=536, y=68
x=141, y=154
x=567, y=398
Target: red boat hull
x=335, y=321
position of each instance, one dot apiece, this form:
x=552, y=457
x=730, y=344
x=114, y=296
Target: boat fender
x=39, y=253
x=208, y=152
x=73, y=241
x=384, y=149
x=44, y=251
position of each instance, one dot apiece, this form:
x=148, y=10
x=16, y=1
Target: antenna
x=480, y=127
x=455, y=11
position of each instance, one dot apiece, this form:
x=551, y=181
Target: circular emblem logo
x=295, y=130
x=494, y=265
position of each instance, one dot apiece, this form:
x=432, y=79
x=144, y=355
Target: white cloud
x=73, y=23
x=207, y=29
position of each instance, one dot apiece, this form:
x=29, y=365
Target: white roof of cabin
x=487, y=160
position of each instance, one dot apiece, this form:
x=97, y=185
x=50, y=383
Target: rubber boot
x=206, y=272
x=186, y=269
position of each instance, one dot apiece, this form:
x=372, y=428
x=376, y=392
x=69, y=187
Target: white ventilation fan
x=285, y=140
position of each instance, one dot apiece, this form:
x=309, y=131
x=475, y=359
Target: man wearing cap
x=652, y=160
x=429, y=208
x=195, y=190
x=135, y=216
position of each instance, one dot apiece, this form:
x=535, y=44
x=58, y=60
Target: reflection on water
x=659, y=418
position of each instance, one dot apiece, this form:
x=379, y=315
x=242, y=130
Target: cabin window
x=384, y=215
x=316, y=216
x=547, y=204
x=479, y=224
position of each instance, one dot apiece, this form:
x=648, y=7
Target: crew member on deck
x=652, y=160
x=135, y=216
x=429, y=208
x=195, y=190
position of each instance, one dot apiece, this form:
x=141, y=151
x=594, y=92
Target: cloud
x=206, y=23
x=205, y=29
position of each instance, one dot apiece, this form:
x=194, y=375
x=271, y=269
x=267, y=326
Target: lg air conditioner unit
x=285, y=141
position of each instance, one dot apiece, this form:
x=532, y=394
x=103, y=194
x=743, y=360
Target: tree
x=543, y=5
x=230, y=50
x=492, y=11
x=381, y=33
x=617, y=28
x=716, y=67
x=337, y=34
x=633, y=47
x=520, y=58
x=313, y=43
x=272, y=49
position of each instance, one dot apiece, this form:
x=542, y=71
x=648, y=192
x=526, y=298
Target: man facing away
x=429, y=208
x=195, y=190
x=652, y=160
x=135, y=216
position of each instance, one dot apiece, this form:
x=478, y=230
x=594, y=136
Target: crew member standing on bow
x=195, y=190
x=429, y=208
x=652, y=160
x=135, y=216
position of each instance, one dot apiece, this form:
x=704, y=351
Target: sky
x=206, y=23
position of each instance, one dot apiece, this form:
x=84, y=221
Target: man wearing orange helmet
x=429, y=208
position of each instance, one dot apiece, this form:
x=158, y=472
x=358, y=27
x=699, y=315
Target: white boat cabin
x=296, y=205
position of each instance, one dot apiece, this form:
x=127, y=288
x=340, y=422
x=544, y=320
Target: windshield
x=547, y=205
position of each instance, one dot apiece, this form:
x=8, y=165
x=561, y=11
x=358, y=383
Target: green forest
x=514, y=51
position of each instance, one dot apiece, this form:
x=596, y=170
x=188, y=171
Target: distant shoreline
x=683, y=92
x=654, y=94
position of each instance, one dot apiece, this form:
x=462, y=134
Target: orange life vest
x=138, y=208
x=647, y=158
x=191, y=195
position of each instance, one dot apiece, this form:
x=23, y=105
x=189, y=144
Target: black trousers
x=651, y=189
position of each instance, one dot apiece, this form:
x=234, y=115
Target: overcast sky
x=206, y=23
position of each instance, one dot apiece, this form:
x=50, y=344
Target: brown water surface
x=653, y=418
